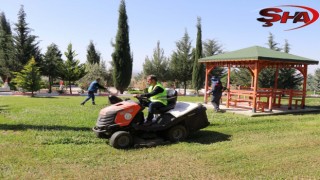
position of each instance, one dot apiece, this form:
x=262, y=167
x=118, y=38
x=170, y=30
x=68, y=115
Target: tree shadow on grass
x=49, y=97
x=314, y=107
x=24, y=127
x=207, y=137
x=3, y=107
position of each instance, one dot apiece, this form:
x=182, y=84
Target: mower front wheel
x=121, y=140
x=177, y=133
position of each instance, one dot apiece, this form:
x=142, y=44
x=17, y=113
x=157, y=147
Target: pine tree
x=210, y=48
x=313, y=82
x=72, y=70
x=7, y=62
x=52, y=64
x=93, y=56
x=288, y=77
x=286, y=46
x=267, y=75
x=181, y=63
x=272, y=44
x=241, y=76
x=25, y=44
x=93, y=71
x=121, y=57
x=157, y=65
x=29, y=78
x=311, y=85
x=317, y=79
x=198, y=72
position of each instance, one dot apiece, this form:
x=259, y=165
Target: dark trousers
x=152, y=107
x=215, y=101
x=90, y=96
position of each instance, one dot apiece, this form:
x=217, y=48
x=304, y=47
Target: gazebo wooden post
x=276, y=77
x=228, y=87
x=252, y=81
x=206, y=84
x=255, y=86
x=272, y=98
x=209, y=67
x=304, y=88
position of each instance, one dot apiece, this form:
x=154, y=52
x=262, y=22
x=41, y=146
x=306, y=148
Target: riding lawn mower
x=123, y=121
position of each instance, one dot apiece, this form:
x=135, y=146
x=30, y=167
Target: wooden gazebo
x=255, y=59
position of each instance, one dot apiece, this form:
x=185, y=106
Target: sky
x=232, y=23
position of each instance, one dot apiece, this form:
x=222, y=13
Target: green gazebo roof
x=258, y=53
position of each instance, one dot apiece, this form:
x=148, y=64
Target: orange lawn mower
x=123, y=122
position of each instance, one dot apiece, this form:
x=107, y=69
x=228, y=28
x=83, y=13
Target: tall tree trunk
x=70, y=87
x=50, y=84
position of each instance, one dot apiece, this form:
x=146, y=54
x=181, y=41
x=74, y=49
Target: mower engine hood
x=182, y=108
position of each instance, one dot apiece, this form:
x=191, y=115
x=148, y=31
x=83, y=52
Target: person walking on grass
x=93, y=88
x=216, y=92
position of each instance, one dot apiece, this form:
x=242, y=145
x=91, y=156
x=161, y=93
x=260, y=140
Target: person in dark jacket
x=216, y=92
x=93, y=88
x=158, y=97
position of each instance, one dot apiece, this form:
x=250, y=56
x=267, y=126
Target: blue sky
x=232, y=23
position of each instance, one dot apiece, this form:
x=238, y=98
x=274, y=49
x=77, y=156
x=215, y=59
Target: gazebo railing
x=266, y=97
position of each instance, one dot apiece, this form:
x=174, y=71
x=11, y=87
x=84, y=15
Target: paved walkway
x=276, y=111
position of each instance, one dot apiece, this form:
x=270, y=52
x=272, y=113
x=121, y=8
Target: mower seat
x=172, y=96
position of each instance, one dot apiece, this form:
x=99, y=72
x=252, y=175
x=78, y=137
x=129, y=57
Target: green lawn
x=51, y=138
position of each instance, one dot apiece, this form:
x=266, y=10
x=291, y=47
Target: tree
x=139, y=81
x=317, y=79
x=288, y=77
x=93, y=71
x=272, y=44
x=181, y=61
x=210, y=48
x=240, y=76
x=311, y=85
x=72, y=70
x=93, y=56
x=266, y=78
x=52, y=64
x=7, y=62
x=286, y=46
x=198, y=72
x=157, y=65
x=267, y=75
x=29, y=78
x=314, y=81
x=25, y=44
x=121, y=57
x=109, y=77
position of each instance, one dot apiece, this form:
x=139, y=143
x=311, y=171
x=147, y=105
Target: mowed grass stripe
x=51, y=138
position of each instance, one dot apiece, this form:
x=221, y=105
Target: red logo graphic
x=275, y=14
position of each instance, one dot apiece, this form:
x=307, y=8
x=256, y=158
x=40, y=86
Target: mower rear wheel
x=121, y=140
x=177, y=133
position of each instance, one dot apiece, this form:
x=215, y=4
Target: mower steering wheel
x=143, y=100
